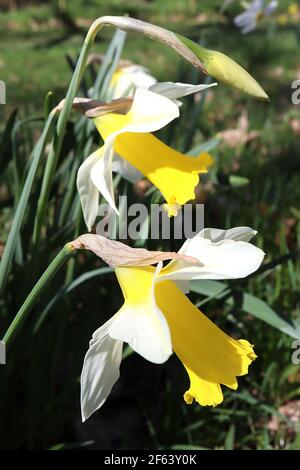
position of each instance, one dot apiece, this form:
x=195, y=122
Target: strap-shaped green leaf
x=249, y=304
x=22, y=204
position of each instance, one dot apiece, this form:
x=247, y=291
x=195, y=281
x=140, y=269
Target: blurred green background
x=255, y=182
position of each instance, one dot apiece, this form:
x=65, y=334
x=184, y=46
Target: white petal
x=101, y=175
x=244, y=19
x=144, y=328
x=140, y=76
x=100, y=370
x=250, y=27
x=177, y=90
x=270, y=8
x=122, y=86
x=128, y=79
x=88, y=193
x=226, y=258
x=149, y=112
x=243, y=234
x=125, y=169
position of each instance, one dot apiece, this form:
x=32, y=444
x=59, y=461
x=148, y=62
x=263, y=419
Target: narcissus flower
x=157, y=318
x=127, y=78
x=125, y=126
x=255, y=12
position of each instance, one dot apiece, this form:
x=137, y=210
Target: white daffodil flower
x=157, y=318
x=128, y=78
x=126, y=130
x=255, y=12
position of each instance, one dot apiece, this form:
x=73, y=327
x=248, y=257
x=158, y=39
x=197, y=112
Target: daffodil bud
x=214, y=63
x=226, y=70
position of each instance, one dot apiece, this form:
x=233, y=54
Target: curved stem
x=33, y=296
x=61, y=128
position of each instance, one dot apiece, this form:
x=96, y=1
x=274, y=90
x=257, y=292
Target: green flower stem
x=61, y=128
x=32, y=298
x=71, y=262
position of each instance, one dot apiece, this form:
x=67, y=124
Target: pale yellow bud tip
x=228, y=71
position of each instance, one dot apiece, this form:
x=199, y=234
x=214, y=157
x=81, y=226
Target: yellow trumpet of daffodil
x=157, y=318
x=127, y=134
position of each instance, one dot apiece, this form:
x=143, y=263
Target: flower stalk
x=210, y=62
x=61, y=128
x=34, y=295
